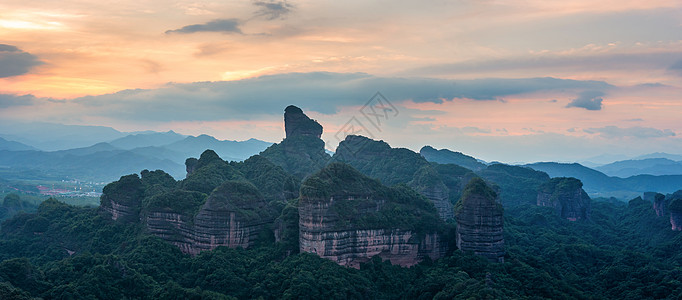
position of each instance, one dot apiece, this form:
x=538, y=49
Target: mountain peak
x=296, y=123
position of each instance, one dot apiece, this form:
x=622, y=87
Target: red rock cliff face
x=320, y=233
x=480, y=222
x=660, y=203
x=439, y=195
x=675, y=209
x=567, y=197
x=208, y=230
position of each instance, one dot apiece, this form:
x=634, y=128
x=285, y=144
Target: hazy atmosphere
x=542, y=80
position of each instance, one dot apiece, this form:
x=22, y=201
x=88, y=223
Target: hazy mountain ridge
x=106, y=162
x=650, y=166
x=599, y=184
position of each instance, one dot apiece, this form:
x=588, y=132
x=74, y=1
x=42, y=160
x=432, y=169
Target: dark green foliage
x=13, y=204
x=445, y=156
x=377, y=159
x=624, y=252
x=151, y=178
x=210, y=172
x=273, y=182
x=299, y=155
x=240, y=197
x=128, y=190
x=363, y=202
x=518, y=185
x=454, y=177
x=178, y=201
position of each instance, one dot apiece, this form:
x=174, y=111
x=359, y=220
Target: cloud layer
x=321, y=92
x=14, y=62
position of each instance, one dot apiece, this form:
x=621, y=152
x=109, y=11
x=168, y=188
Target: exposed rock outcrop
x=122, y=199
x=302, y=152
x=675, y=208
x=566, y=196
x=296, y=123
x=191, y=165
x=480, y=221
x=232, y=216
x=396, y=165
x=659, y=201
x=349, y=218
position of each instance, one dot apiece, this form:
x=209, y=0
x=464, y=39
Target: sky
x=502, y=80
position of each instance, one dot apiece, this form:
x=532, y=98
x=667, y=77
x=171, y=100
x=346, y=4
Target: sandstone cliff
x=232, y=216
x=659, y=201
x=566, y=196
x=480, y=221
x=675, y=208
x=122, y=199
x=349, y=218
x=396, y=165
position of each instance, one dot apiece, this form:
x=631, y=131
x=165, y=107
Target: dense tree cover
x=362, y=202
x=299, y=155
x=454, y=177
x=273, y=182
x=517, y=185
x=12, y=204
x=625, y=252
x=445, y=156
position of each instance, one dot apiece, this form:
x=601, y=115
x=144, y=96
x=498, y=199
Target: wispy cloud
x=218, y=25
x=272, y=10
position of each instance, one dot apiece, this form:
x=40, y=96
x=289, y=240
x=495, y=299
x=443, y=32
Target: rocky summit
x=480, y=221
x=566, y=196
x=296, y=123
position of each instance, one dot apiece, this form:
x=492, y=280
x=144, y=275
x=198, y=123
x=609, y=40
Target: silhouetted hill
x=147, y=140
x=51, y=136
x=13, y=146
x=445, y=156
x=193, y=146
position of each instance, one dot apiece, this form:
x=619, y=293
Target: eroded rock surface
x=480, y=221
x=566, y=196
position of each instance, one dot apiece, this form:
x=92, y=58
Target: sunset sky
x=507, y=80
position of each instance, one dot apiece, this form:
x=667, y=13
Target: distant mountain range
x=104, y=162
x=597, y=183
x=624, y=179
x=650, y=166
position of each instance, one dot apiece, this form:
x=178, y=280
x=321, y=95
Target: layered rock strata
x=480, y=221
x=566, y=196
x=344, y=217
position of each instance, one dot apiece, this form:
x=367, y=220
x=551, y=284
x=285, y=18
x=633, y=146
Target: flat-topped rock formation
x=347, y=217
x=480, y=221
x=566, y=196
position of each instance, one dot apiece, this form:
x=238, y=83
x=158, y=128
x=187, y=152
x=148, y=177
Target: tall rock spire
x=296, y=123
x=480, y=222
